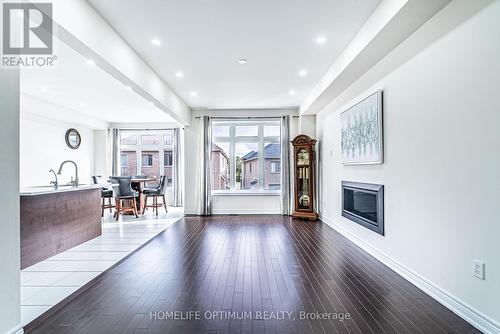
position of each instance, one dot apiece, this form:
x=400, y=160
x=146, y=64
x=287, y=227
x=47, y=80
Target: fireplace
x=363, y=203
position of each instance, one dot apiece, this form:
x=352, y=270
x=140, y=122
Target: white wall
x=307, y=125
x=43, y=147
x=9, y=202
x=102, y=161
x=441, y=169
x=227, y=204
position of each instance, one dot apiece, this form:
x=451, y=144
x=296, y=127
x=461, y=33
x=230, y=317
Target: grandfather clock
x=304, y=169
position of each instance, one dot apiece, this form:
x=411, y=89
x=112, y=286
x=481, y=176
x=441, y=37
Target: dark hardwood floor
x=256, y=267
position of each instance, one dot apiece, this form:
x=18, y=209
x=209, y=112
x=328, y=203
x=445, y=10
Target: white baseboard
x=16, y=330
x=237, y=212
x=190, y=212
x=466, y=312
x=245, y=212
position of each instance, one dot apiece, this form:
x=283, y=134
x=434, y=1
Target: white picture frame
x=362, y=132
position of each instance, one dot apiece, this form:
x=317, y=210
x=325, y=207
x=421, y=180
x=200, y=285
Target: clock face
x=302, y=157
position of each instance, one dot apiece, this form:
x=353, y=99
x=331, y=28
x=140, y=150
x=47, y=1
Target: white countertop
x=45, y=190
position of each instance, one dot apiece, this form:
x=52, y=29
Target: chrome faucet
x=74, y=182
x=55, y=183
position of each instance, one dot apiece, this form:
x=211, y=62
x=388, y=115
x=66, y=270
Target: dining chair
x=106, y=193
x=158, y=191
x=124, y=194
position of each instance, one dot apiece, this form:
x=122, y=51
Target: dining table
x=138, y=184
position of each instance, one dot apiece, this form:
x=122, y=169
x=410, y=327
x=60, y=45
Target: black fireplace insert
x=363, y=203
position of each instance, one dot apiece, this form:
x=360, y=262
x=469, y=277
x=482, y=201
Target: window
x=167, y=158
x=150, y=140
x=272, y=177
x=147, y=160
x=128, y=139
x=246, y=155
x=247, y=161
x=147, y=152
x=220, y=176
x=124, y=160
x=220, y=131
x=246, y=131
x=168, y=139
x=128, y=163
x=275, y=166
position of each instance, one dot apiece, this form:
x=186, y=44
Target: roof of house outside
x=271, y=151
x=217, y=148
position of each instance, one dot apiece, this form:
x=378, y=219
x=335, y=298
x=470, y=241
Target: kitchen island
x=56, y=219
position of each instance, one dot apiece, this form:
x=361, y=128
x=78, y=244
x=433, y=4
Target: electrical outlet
x=478, y=269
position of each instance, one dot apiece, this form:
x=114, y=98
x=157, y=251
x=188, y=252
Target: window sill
x=246, y=193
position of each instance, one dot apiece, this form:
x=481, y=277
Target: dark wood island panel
x=54, y=222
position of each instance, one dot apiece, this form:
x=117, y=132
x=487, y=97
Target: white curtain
x=114, y=140
x=178, y=168
x=204, y=157
x=285, y=165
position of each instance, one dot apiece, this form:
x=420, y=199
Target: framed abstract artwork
x=362, y=136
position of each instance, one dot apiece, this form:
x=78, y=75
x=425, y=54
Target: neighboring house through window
x=147, y=152
x=251, y=152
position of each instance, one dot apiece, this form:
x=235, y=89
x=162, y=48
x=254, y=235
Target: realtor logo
x=27, y=29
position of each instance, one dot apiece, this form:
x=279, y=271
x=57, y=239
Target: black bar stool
x=156, y=192
x=106, y=193
x=124, y=194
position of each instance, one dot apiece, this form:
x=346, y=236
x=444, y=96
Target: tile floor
x=46, y=283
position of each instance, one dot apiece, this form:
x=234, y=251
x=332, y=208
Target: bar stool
x=156, y=192
x=124, y=194
x=106, y=193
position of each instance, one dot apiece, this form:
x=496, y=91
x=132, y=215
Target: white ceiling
x=85, y=88
x=205, y=39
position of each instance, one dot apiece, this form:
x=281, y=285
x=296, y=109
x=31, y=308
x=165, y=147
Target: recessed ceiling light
x=90, y=61
x=302, y=73
x=320, y=40
x=291, y=92
x=179, y=74
x=44, y=89
x=156, y=42
x=242, y=61
x=128, y=88
x=194, y=93
x=81, y=104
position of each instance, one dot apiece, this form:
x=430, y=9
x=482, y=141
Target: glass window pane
x=168, y=162
x=247, y=165
x=128, y=139
x=150, y=140
x=246, y=130
x=168, y=139
x=220, y=162
x=272, y=166
x=272, y=131
x=220, y=131
x=128, y=162
x=150, y=166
